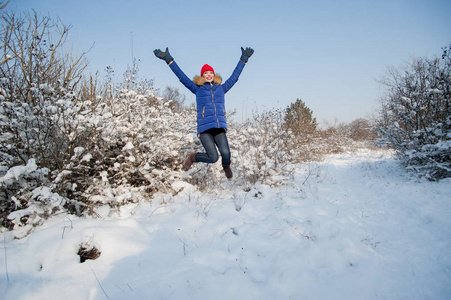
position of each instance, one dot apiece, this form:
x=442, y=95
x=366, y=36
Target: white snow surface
x=355, y=226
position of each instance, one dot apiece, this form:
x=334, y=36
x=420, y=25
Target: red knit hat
x=206, y=68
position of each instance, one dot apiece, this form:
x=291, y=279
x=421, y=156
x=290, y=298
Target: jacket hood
x=199, y=80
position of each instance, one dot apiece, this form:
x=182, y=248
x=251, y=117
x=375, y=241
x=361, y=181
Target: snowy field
x=354, y=226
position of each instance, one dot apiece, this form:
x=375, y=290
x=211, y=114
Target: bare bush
x=333, y=139
x=34, y=54
x=361, y=130
x=178, y=99
x=341, y=137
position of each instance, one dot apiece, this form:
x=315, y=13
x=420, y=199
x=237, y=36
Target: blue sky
x=328, y=53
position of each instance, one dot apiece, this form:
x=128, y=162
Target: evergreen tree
x=299, y=121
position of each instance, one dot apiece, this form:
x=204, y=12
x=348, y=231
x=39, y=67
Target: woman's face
x=209, y=76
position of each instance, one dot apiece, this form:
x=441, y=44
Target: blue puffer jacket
x=211, y=111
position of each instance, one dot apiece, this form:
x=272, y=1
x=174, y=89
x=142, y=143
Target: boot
x=227, y=170
x=190, y=158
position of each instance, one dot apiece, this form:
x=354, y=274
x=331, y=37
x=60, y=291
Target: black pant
x=211, y=139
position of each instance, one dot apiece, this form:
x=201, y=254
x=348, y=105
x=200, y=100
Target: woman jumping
x=211, y=114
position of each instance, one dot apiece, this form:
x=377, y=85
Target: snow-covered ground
x=354, y=226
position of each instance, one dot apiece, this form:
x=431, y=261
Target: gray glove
x=166, y=56
x=246, y=53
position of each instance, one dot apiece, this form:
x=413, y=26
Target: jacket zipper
x=214, y=104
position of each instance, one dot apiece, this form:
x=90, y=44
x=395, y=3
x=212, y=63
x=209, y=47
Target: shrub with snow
x=415, y=117
x=264, y=151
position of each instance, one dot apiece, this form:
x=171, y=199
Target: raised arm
x=166, y=56
x=245, y=54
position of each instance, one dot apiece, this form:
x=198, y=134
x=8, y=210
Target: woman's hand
x=166, y=56
x=246, y=53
